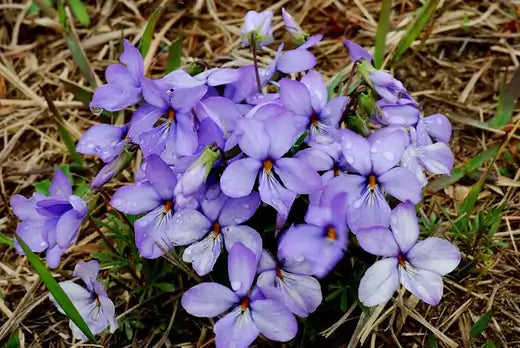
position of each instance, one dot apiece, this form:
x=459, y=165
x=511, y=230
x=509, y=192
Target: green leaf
x=335, y=82
x=506, y=102
x=165, y=287
x=382, y=30
x=418, y=23
x=79, y=10
x=431, y=342
x=174, y=55
x=146, y=40
x=480, y=325
x=62, y=16
x=6, y=240
x=55, y=289
x=81, y=188
x=43, y=187
x=80, y=58
x=14, y=341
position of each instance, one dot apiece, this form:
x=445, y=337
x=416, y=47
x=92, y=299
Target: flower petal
x=379, y=282
x=435, y=255
x=189, y=226
x=274, y=194
x=115, y=97
x=184, y=99
x=241, y=268
x=424, y=284
x=60, y=184
x=223, y=76
x=239, y=177
x=160, y=177
x=187, y=140
x=298, y=176
x=31, y=233
x=255, y=140
x=386, y=148
x=135, y=199
x=437, y=158
x=378, y=241
x=143, y=120
x=317, y=88
x=401, y=184
x=67, y=228
x=356, y=52
x=245, y=235
x=367, y=210
x=203, y=254
x=154, y=94
x=438, y=126
x=208, y=300
x=154, y=230
x=294, y=61
x=238, y=210
x=333, y=110
x=405, y=227
x=295, y=96
x=236, y=329
x=133, y=60
x=356, y=151
x=317, y=159
x=102, y=140
x=282, y=135
x=274, y=320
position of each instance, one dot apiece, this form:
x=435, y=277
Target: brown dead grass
x=455, y=67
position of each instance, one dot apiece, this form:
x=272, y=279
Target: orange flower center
x=268, y=166
x=401, y=260
x=244, y=303
x=372, y=181
x=278, y=272
x=168, y=206
x=315, y=120
x=171, y=115
x=331, y=233
x=216, y=229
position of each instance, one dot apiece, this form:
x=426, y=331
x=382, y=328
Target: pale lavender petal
x=297, y=175
x=282, y=134
x=436, y=158
x=438, y=126
x=60, y=184
x=401, y=184
x=25, y=208
x=294, y=61
x=299, y=246
x=102, y=140
x=356, y=52
x=266, y=262
x=189, y=226
x=160, y=177
x=333, y=110
x=379, y=282
x=411, y=162
x=386, y=148
x=53, y=256
x=31, y=233
x=241, y=268
x=274, y=194
x=222, y=111
x=317, y=88
x=203, y=254
x=153, y=94
x=133, y=60
x=186, y=141
x=295, y=97
x=245, y=235
x=135, y=199
x=154, y=230
x=435, y=255
x=367, y=210
x=120, y=75
x=223, y=76
x=143, y=120
x=184, y=99
x=87, y=271
x=311, y=41
x=424, y=284
x=115, y=97
x=356, y=151
x=67, y=228
x=405, y=226
x=179, y=79
x=208, y=300
x=274, y=320
x=236, y=329
x=399, y=114
x=79, y=296
x=317, y=159
x=213, y=201
x=318, y=215
x=239, y=177
x=238, y=210
x=378, y=241
x=255, y=140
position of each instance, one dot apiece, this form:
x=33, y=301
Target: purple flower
x=297, y=33
x=435, y=126
x=154, y=196
x=103, y=140
x=257, y=24
x=250, y=315
x=299, y=59
x=280, y=178
x=356, y=52
x=124, y=82
x=308, y=100
x=435, y=158
x=284, y=282
x=418, y=266
x=375, y=160
x=220, y=225
x=321, y=243
x=388, y=87
x=50, y=223
x=402, y=113
x=92, y=303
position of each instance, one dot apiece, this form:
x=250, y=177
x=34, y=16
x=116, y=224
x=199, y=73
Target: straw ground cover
x=458, y=65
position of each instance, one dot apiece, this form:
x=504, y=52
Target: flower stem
x=255, y=62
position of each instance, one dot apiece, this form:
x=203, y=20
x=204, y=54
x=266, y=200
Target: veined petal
x=435, y=255
x=160, y=177
x=236, y=329
x=238, y=210
x=60, y=185
x=189, y=226
x=135, y=199
x=297, y=175
x=402, y=184
x=317, y=88
x=119, y=74
x=436, y=158
x=378, y=241
x=143, y=120
x=241, y=268
x=274, y=194
x=67, y=228
x=153, y=233
x=239, y=177
x=295, y=96
x=379, y=282
x=203, y=254
x=274, y=320
x=208, y=300
x=367, y=210
x=405, y=227
x=424, y=284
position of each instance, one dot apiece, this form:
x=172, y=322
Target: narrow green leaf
x=507, y=101
x=480, y=325
x=146, y=40
x=418, y=23
x=81, y=93
x=62, y=16
x=79, y=10
x=80, y=58
x=174, y=55
x=383, y=26
x=55, y=289
x=6, y=240
x=165, y=287
x=14, y=341
x=46, y=6
x=64, y=134
x=335, y=82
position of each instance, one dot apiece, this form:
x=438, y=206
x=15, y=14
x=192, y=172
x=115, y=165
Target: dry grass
x=456, y=67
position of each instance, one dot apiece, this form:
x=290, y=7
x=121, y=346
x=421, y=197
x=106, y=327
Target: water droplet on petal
x=373, y=150
x=389, y=156
x=96, y=111
x=246, y=206
x=299, y=258
x=236, y=284
x=348, y=145
x=349, y=159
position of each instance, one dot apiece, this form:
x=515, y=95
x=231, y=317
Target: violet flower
x=288, y=282
x=220, y=225
x=388, y=87
x=435, y=126
x=280, y=178
x=92, y=303
x=154, y=196
x=250, y=315
x=103, y=140
x=308, y=100
x=322, y=241
x=375, y=160
x=299, y=59
x=402, y=113
x=257, y=25
x=356, y=52
x=123, y=87
x=297, y=33
x=418, y=266
x=50, y=223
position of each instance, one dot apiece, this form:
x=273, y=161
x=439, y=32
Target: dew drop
x=348, y=145
x=373, y=150
x=388, y=155
x=299, y=258
x=236, y=284
x=96, y=111
x=246, y=206
x=349, y=159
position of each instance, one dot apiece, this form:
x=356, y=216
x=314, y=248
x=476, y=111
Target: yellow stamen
x=331, y=233
x=372, y=181
x=268, y=166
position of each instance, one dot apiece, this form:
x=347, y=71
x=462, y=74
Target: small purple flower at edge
x=251, y=314
x=50, y=223
x=92, y=303
x=257, y=24
x=418, y=266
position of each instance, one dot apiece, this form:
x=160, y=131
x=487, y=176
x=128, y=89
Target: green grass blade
x=56, y=290
x=335, y=83
x=64, y=134
x=146, y=40
x=418, y=23
x=174, y=55
x=480, y=325
x=80, y=58
x=383, y=26
x=79, y=10
x=506, y=102
x=6, y=240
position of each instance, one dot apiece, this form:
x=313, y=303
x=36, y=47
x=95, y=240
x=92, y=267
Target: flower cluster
x=220, y=144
